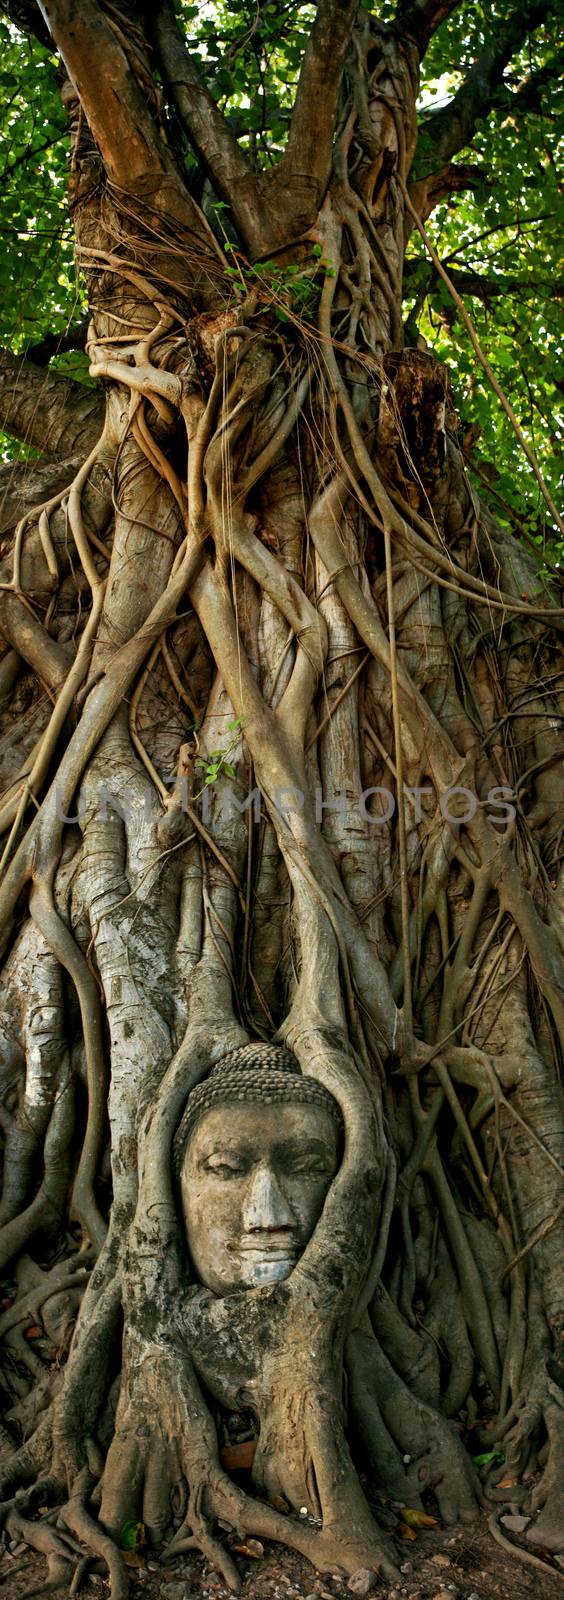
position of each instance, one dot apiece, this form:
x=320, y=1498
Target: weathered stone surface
x=515, y=1522
x=362, y=1581
x=256, y=1158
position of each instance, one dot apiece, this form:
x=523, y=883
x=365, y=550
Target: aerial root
x=79, y=1574
x=548, y=1495
x=518, y=1550
x=40, y=515
x=536, y=1415
x=172, y=1426
x=41, y=1536
x=64, y=1544
x=200, y=1537
x=77, y=1517
x=66, y=1276
x=436, y=1457
x=326, y=1547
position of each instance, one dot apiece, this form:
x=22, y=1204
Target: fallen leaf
x=405, y=1532
x=251, y=1547
x=507, y=1483
x=34, y=1332
x=418, y=1519
x=236, y=1457
x=133, y=1558
x=279, y=1504
x=488, y=1456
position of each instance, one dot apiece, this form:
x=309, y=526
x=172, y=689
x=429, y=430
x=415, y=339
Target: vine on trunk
x=281, y=582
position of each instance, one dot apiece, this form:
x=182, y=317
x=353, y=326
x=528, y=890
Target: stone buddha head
x=255, y=1154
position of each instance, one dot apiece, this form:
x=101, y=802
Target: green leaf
x=132, y=1534
x=488, y=1457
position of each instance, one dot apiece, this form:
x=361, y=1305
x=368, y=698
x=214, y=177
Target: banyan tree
x=281, y=902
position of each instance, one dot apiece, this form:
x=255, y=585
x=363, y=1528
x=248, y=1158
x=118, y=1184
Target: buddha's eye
x=311, y=1166
x=223, y=1166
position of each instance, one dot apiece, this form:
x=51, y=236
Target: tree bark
x=270, y=576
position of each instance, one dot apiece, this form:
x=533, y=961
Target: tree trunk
x=270, y=577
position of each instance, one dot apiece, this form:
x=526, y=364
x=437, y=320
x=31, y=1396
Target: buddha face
x=253, y=1183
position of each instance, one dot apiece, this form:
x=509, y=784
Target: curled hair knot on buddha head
x=259, y=1073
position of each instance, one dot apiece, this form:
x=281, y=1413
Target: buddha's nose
x=266, y=1208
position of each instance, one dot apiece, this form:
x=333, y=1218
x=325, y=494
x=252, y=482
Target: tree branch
x=308, y=152
x=117, y=114
x=533, y=94
x=421, y=18
x=126, y=131
x=484, y=363
x=222, y=157
x=55, y=415
x=454, y=127
x=225, y=162
x=479, y=286
x=271, y=208
x=25, y=484
x=57, y=344
x=454, y=178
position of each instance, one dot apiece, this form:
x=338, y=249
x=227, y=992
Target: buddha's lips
x=261, y=1247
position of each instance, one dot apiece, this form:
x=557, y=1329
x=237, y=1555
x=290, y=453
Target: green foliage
x=39, y=292
x=216, y=764
x=506, y=233
x=250, y=52
x=292, y=290
x=131, y=1536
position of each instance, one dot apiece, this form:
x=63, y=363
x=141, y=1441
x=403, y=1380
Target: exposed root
x=518, y=1550
x=77, y=1517
x=59, y=1574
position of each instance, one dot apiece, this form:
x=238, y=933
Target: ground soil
x=458, y=1564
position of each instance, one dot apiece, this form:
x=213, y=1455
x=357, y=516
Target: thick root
x=59, y=1575
x=328, y=1548
x=78, y=1518
x=548, y=1496
x=166, y=1443
x=436, y=1458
